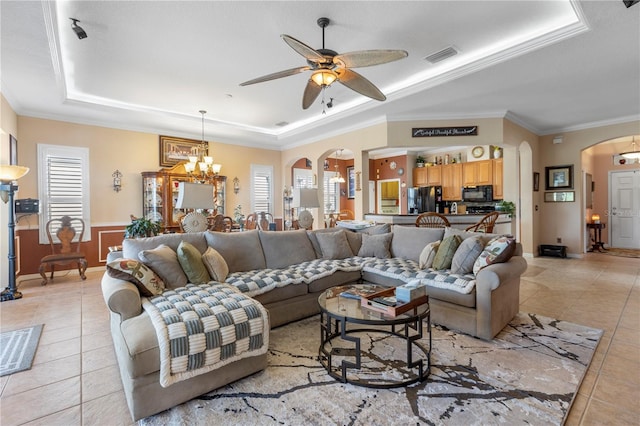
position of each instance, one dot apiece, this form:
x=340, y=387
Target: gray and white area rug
x=529, y=374
x=17, y=349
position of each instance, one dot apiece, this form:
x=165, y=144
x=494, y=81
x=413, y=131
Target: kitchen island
x=460, y=221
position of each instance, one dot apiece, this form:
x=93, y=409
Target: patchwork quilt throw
x=203, y=327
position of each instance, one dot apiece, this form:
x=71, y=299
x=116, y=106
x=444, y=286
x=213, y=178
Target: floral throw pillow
x=498, y=250
x=136, y=272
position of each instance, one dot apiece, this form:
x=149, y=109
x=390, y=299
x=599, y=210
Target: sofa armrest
x=490, y=278
x=121, y=297
x=498, y=296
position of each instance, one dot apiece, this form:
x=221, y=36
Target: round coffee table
x=392, y=355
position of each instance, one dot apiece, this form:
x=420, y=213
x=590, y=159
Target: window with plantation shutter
x=331, y=198
x=261, y=188
x=63, y=185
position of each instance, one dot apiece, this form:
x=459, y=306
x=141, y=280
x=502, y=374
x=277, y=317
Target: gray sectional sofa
x=286, y=271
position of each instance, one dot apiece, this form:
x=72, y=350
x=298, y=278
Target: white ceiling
x=550, y=66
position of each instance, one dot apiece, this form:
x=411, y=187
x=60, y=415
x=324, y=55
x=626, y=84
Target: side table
x=597, y=236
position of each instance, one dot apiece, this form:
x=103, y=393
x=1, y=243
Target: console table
x=597, y=236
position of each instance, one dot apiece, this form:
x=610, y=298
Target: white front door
x=624, y=209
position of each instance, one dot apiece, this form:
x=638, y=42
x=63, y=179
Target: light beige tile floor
x=75, y=381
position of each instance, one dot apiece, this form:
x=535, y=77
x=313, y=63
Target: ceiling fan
x=329, y=66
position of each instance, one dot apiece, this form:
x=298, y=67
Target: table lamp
x=195, y=196
x=306, y=198
x=9, y=174
x=595, y=218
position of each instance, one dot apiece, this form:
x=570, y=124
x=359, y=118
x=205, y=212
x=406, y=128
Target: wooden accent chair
x=264, y=220
x=251, y=221
x=330, y=222
x=216, y=223
x=346, y=214
x=431, y=220
x=485, y=224
x=64, y=230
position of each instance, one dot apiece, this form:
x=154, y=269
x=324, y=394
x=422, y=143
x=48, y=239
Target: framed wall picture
x=559, y=197
x=13, y=151
x=536, y=181
x=559, y=177
x=351, y=182
x=175, y=150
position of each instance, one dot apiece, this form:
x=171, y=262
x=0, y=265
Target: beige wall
x=131, y=153
x=566, y=220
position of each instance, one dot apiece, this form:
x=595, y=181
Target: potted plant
x=142, y=227
x=506, y=207
x=420, y=161
x=238, y=216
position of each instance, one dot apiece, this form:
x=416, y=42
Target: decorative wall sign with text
x=429, y=132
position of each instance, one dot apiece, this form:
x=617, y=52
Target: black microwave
x=477, y=193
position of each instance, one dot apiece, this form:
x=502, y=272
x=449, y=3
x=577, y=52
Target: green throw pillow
x=191, y=262
x=446, y=251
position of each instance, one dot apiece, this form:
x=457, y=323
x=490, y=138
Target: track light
x=78, y=29
x=330, y=103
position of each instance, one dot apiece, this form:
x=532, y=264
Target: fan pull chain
x=324, y=112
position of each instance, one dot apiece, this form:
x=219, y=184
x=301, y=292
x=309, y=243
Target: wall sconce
x=358, y=184
x=117, y=180
x=236, y=185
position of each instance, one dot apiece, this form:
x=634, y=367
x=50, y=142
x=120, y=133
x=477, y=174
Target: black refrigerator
x=424, y=199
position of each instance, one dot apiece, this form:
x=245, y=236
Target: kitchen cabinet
x=477, y=173
x=160, y=194
x=427, y=176
x=498, y=184
x=452, y=182
x=420, y=176
x=390, y=191
x=434, y=175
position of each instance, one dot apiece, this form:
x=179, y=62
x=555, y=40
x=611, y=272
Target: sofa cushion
x=241, y=250
x=499, y=250
x=375, y=245
x=136, y=272
x=381, y=228
x=445, y=252
x=334, y=245
x=164, y=262
x=314, y=240
x=428, y=254
x=190, y=260
x=132, y=246
x=408, y=241
x=355, y=240
x=215, y=264
x=466, y=255
x=284, y=248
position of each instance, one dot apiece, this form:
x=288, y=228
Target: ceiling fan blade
x=308, y=52
x=358, y=83
x=311, y=92
x=367, y=58
x=275, y=75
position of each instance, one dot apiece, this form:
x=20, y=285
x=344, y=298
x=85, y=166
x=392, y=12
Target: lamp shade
x=195, y=196
x=305, y=197
x=11, y=173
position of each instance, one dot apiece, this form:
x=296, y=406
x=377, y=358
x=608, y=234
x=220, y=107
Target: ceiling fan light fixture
x=324, y=78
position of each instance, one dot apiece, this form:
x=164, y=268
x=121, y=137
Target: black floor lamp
x=9, y=174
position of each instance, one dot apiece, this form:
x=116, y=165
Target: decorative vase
x=497, y=153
